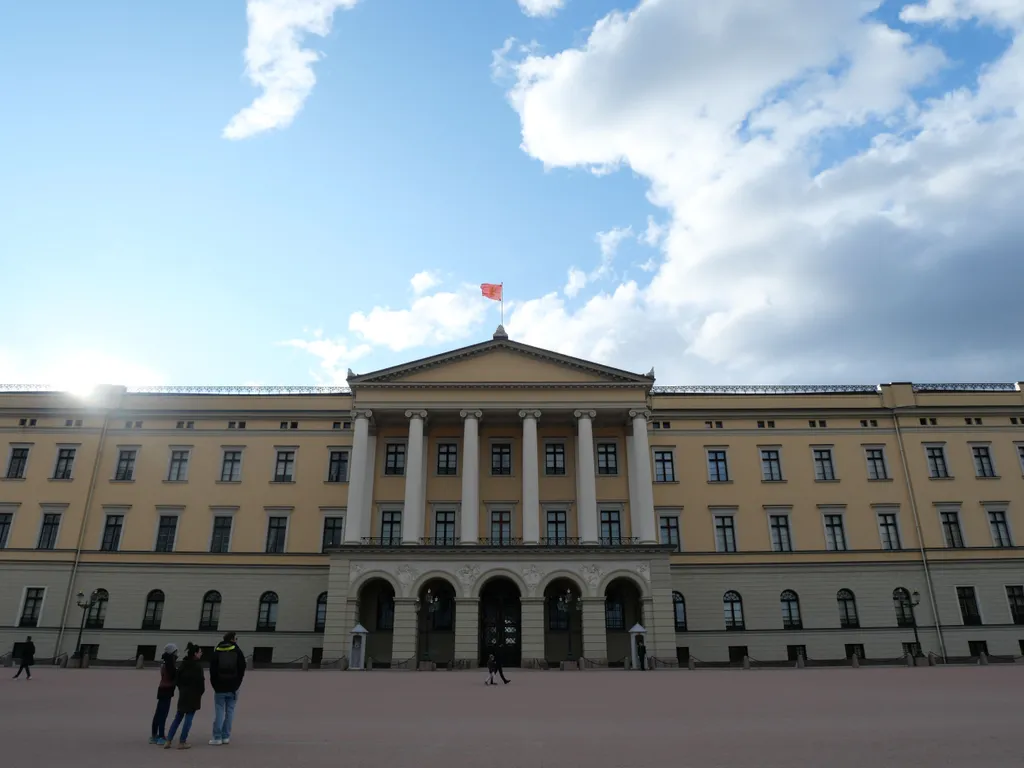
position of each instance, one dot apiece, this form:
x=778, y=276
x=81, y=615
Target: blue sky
x=140, y=244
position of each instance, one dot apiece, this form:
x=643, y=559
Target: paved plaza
x=837, y=717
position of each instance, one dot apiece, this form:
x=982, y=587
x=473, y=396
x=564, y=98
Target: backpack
x=227, y=663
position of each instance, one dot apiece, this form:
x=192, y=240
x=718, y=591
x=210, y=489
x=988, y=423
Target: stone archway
x=500, y=621
x=623, y=607
x=377, y=615
x=563, y=621
x=435, y=622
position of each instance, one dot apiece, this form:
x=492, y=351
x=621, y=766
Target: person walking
x=492, y=670
x=164, y=694
x=499, y=668
x=28, y=658
x=227, y=668
x=191, y=687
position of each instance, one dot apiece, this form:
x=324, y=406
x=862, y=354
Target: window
x=912, y=649
x=771, y=465
x=983, y=461
x=611, y=527
x=796, y=652
x=668, y=526
x=337, y=467
x=267, y=620
x=48, y=531
x=876, y=464
x=936, y=455
x=835, y=533
x=277, y=532
x=6, y=519
x=65, y=463
x=904, y=608
x=557, y=527
x=951, y=529
x=284, y=469
x=501, y=459
x=97, y=613
x=289, y=425
x=823, y=468
x=791, y=610
x=733, y=604
x=333, y=533
x=725, y=533
x=447, y=459
x=112, y=533
x=154, y=613
x=125, y=471
x=855, y=649
x=178, y=471
x=558, y=614
x=166, y=532
x=977, y=647
x=607, y=459
x=718, y=467
x=848, y=618
x=231, y=467
x=444, y=527
x=220, y=541
x=385, y=613
x=614, y=613
x=969, y=610
x=1000, y=529
x=394, y=459
x=679, y=607
x=320, y=620
x=391, y=528
x=32, y=607
x=501, y=527
x=766, y=424
x=867, y=422
x=664, y=467
x=209, y=617
x=781, y=540
x=554, y=459
x=1015, y=597
x=1020, y=455
x=927, y=422
x=889, y=531
x=16, y=466
x=186, y=425
x=737, y=653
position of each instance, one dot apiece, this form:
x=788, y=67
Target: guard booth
x=636, y=632
x=357, y=648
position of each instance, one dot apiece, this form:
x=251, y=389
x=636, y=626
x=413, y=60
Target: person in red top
x=164, y=694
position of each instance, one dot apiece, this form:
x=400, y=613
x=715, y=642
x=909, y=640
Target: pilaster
x=659, y=613
x=340, y=611
x=531, y=478
x=642, y=512
x=467, y=629
x=359, y=494
x=470, y=512
x=595, y=642
x=532, y=628
x=404, y=636
x=415, y=477
x=586, y=477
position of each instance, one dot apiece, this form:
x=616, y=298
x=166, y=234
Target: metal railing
x=382, y=541
x=503, y=541
x=561, y=541
x=440, y=541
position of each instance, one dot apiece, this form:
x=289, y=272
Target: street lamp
x=565, y=604
x=430, y=604
x=915, y=600
x=85, y=605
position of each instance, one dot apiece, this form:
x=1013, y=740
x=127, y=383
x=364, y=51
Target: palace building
x=503, y=496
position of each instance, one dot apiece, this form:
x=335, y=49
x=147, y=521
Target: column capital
x=644, y=414
x=529, y=414
x=415, y=414
x=362, y=413
x=585, y=414
x=471, y=415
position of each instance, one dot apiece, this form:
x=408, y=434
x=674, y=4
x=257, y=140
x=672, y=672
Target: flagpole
x=502, y=304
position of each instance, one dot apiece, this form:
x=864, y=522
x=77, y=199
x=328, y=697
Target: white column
x=642, y=512
x=586, y=478
x=357, y=524
x=470, y=511
x=412, y=512
x=531, y=478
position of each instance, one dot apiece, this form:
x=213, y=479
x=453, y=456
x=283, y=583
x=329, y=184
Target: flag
x=491, y=291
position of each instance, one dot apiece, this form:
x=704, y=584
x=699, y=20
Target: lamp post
x=915, y=600
x=429, y=604
x=85, y=605
x=566, y=603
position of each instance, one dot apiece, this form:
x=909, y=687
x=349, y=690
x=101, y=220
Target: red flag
x=491, y=291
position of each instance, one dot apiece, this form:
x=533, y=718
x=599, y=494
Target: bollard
x=305, y=663
x=83, y=661
x=140, y=662
x=910, y=660
x=983, y=659
x=746, y=662
x=800, y=663
x=9, y=661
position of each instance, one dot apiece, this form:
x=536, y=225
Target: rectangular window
x=912, y=649
x=823, y=468
x=231, y=467
x=936, y=455
x=394, y=459
x=333, y=533
x=977, y=647
x=48, y=533
x=876, y=464
x=614, y=615
x=725, y=533
x=284, y=468
x=220, y=541
x=1015, y=596
x=664, y=467
x=951, y=531
x=17, y=464
x=771, y=465
x=969, y=611
x=6, y=519
x=983, y=461
x=889, y=531
x=444, y=528
x=125, y=465
x=835, y=533
x=607, y=459
x=557, y=528
x=1020, y=455
x=277, y=532
x=391, y=528
x=178, y=471
x=447, y=458
x=554, y=459
x=611, y=528
x=501, y=527
x=166, y=532
x=781, y=540
x=65, y=463
x=668, y=527
x=854, y=649
x=1000, y=529
x=718, y=467
x=337, y=467
x=794, y=652
x=501, y=459
x=112, y=533
x=32, y=607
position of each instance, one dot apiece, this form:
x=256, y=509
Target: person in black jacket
x=164, y=693
x=191, y=687
x=227, y=668
x=28, y=658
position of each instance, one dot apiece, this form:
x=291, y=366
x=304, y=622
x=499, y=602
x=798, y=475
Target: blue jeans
x=187, y=717
x=163, y=708
x=223, y=714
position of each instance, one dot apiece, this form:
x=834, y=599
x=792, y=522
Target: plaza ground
x=838, y=717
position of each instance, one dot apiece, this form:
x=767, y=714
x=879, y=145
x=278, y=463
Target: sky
x=272, y=192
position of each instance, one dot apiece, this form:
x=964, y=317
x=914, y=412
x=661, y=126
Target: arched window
x=267, y=621
x=614, y=611
x=904, y=610
x=847, y=609
x=791, y=610
x=154, y=613
x=385, y=612
x=320, y=623
x=97, y=610
x=679, y=606
x=209, y=619
x=733, y=604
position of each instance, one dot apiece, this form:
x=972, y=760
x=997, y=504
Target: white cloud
x=438, y=318
x=654, y=233
x=1009, y=12
x=336, y=356
x=423, y=281
x=576, y=282
x=543, y=8
x=611, y=240
x=276, y=62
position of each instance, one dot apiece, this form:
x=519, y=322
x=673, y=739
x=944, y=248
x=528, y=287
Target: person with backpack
x=191, y=687
x=164, y=694
x=227, y=668
x=28, y=658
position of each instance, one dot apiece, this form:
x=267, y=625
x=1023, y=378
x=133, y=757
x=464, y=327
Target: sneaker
x=160, y=742
x=216, y=742
x=168, y=744
x=226, y=740
x=184, y=745
x=154, y=740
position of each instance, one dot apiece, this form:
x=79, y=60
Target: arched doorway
x=623, y=607
x=563, y=621
x=435, y=613
x=500, y=617
x=377, y=615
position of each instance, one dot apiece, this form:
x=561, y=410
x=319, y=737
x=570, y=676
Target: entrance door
x=500, y=616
